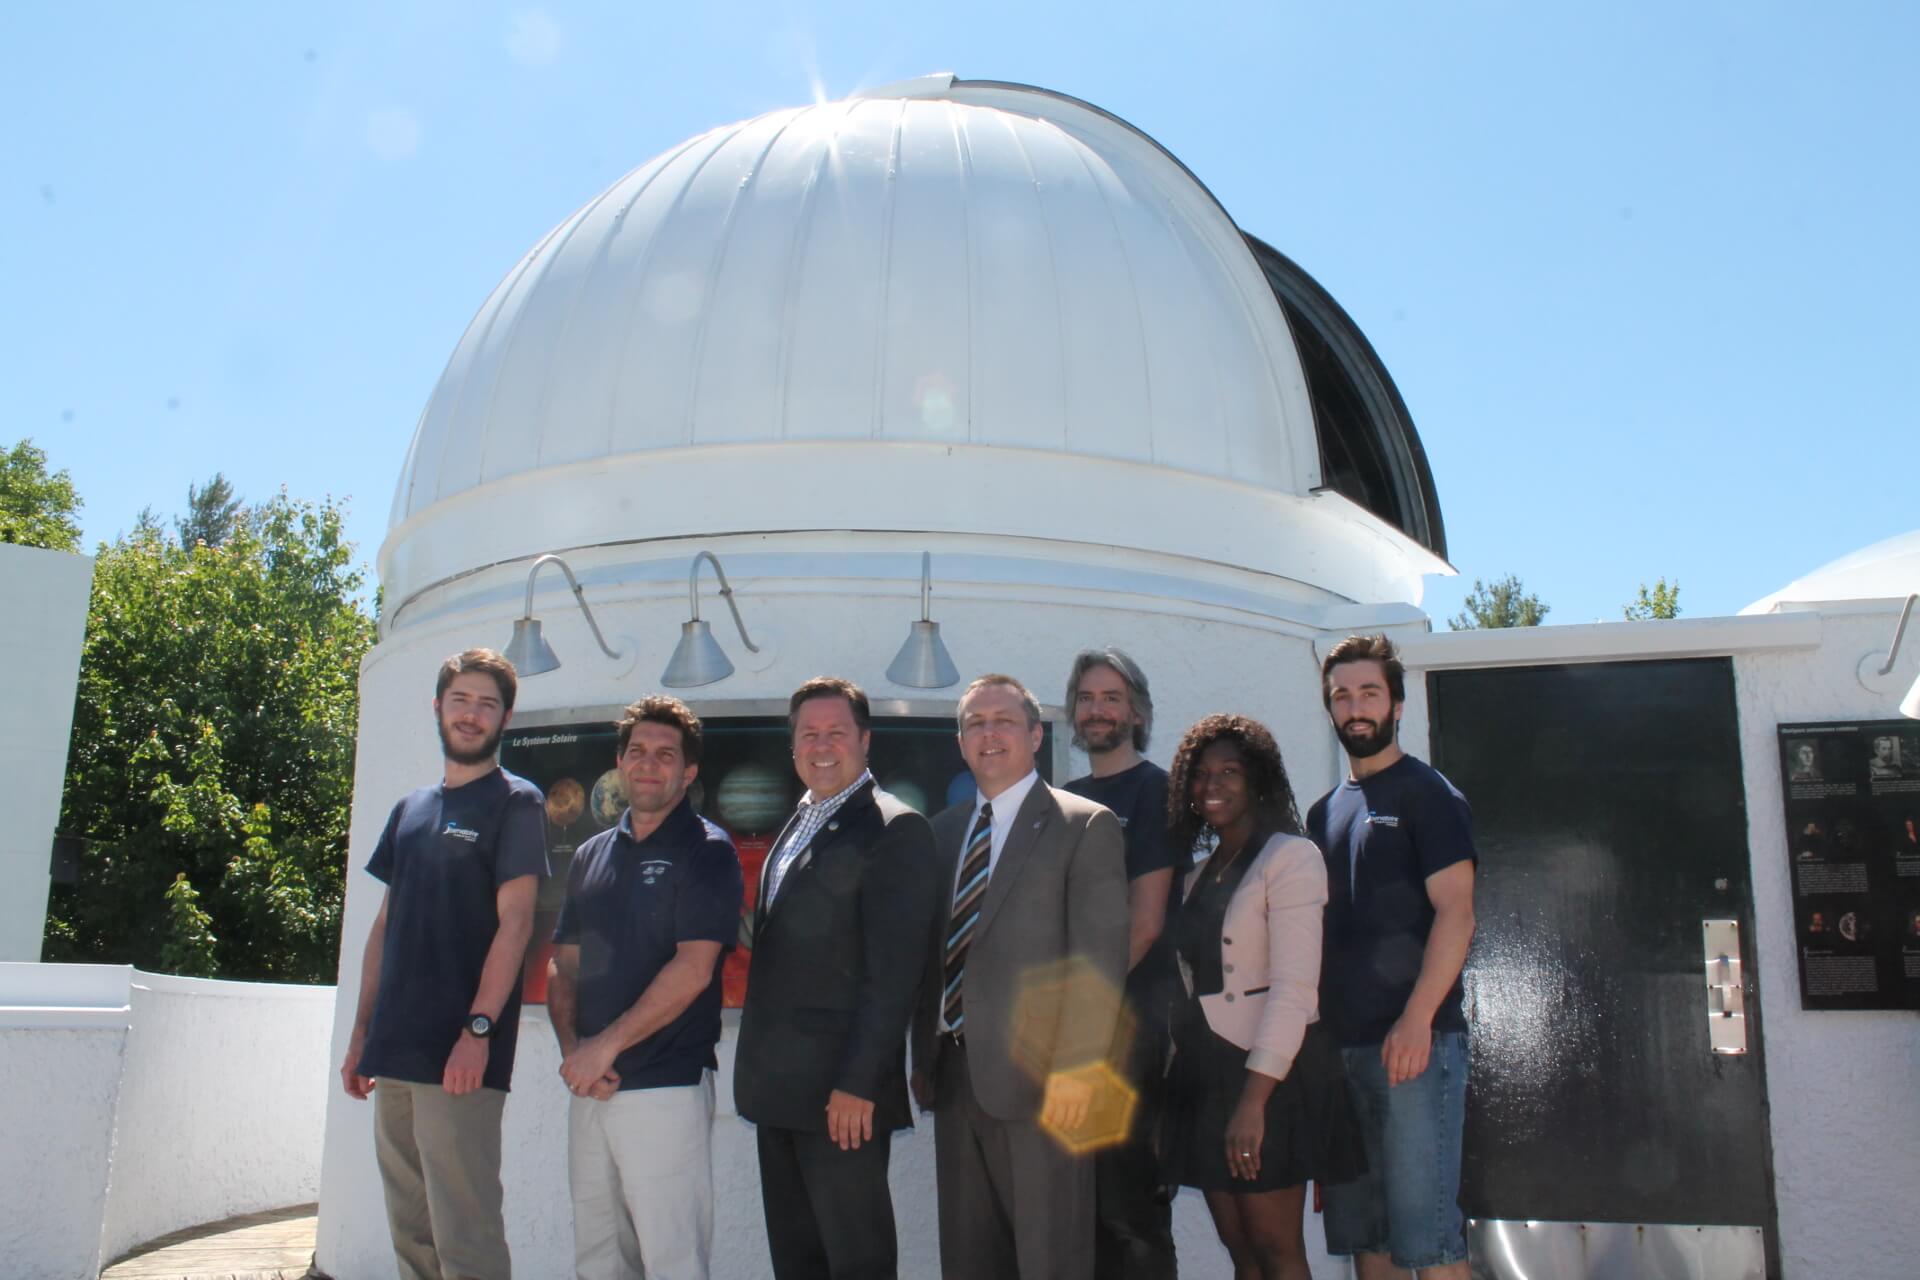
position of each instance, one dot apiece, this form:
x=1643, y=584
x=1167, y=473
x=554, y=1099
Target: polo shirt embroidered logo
x=1382, y=820
x=652, y=869
x=459, y=832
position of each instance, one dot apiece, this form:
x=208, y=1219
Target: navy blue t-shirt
x=443, y=857
x=1138, y=797
x=1382, y=837
x=629, y=905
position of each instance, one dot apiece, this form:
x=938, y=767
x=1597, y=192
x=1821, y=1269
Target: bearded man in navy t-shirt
x=1398, y=842
x=439, y=1009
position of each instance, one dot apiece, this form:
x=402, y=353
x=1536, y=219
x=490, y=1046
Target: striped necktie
x=967, y=894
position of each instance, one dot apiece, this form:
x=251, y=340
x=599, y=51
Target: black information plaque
x=1852, y=790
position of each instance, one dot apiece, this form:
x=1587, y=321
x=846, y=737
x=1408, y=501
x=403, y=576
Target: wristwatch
x=479, y=1026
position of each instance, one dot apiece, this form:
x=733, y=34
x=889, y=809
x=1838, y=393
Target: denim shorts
x=1407, y=1204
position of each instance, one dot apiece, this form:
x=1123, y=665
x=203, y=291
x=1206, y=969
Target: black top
x=1382, y=838
x=444, y=855
x=1202, y=917
x=1138, y=797
x=630, y=904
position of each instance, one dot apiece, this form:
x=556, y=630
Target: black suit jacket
x=837, y=963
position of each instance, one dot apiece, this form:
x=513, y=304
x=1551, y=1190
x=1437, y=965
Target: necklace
x=1220, y=872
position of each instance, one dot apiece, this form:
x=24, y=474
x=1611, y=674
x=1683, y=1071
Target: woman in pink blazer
x=1257, y=1100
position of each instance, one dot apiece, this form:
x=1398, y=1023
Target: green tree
x=1499, y=604
x=213, y=513
x=37, y=509
x=213, y=749
x=1662, y=601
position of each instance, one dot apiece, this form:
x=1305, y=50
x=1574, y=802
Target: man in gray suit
x=1018, y=1004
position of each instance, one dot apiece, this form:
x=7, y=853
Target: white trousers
x=640, y=1166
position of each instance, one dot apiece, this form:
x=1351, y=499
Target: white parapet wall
x=47, y=595
x=135, y=1104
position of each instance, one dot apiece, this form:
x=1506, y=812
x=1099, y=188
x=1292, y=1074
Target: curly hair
x=1273, y=803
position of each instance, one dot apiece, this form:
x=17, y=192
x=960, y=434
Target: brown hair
x=1027, y=699
x=1273, y=804
x=831, y=687
x=1365, y=649
x=1116, y=661
x=488, y=663
x=661, y=709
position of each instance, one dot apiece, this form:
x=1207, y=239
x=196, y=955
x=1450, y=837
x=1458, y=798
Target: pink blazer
x=1270, y=954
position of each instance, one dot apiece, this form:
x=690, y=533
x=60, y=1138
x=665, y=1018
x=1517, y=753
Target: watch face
x=481, y=1025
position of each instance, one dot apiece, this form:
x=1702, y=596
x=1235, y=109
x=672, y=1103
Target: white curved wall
x=135, y=1104
x=1199, y=657
x=222, y=1108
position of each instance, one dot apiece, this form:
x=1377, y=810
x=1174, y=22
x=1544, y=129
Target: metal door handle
x=1726, y=992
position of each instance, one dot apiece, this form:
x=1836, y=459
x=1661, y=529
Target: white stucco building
x=999, y=325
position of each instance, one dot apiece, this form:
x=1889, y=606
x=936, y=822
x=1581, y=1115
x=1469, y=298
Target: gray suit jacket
x=1049, y=952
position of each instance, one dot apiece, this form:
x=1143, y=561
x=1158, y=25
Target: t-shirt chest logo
x=652, y=869
x=1382, y=819
x=458, y=832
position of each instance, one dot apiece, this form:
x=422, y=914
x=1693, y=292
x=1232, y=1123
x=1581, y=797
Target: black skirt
x=1312, y=1133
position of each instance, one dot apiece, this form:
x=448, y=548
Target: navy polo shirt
x=630, y=904
x=1382, y=837
x=443, y=857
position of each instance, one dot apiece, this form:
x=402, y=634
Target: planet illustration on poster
x=908, y=792
x=751, y=799
x=566, y=801
x=961, y=790
x=609, y=798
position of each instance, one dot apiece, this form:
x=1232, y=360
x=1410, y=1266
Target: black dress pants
x=829, y=1213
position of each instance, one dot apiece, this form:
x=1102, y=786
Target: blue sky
x=1644, y=273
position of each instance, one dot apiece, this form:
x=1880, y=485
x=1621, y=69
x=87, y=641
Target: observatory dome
x=940, y=306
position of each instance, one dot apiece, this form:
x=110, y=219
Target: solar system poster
x=1852, y=791
x=746, y=784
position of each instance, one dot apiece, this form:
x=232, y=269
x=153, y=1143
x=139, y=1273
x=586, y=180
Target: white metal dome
x=1888, y=569
x=931, y=274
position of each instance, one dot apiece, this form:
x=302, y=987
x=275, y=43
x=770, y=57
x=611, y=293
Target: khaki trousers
x=440, y=1164
x=640, y=1166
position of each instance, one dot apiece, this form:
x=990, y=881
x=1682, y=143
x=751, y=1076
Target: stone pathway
x=275, y=1245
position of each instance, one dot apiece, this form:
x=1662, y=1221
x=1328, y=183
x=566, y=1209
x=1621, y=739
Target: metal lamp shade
x=922, y=662
x=529, y=651
x=697, y=659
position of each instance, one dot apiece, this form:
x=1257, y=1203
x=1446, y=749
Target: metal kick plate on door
x=1613, y=1251
x=1726, y=986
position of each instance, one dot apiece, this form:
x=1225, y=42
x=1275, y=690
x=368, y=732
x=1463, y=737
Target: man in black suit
x=842, y=924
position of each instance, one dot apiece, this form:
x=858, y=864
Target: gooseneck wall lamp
x=529, y=651
x=922, y=662
x=697, y=659
x=1909, y=705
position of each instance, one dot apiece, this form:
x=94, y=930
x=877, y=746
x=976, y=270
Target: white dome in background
x=850, y=316
x=1889, y=569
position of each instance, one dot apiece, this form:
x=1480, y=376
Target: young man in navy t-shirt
x=439, y=1005
x=634, y=993
x=1112, y=710
x=1398, y=841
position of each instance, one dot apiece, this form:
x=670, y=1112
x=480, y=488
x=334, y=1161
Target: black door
x=1611, y=820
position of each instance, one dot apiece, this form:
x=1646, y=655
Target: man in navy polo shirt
x=1398, y=841
x=634, y=996
x=439, y=1003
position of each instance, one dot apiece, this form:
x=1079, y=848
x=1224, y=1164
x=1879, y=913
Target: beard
x=478, y=755
x=1099, y=738
x=1372, y=744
